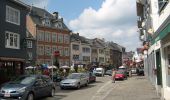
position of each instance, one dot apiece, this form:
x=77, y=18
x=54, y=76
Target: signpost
x=55, y=55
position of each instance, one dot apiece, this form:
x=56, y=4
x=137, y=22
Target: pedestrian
x=113, y=76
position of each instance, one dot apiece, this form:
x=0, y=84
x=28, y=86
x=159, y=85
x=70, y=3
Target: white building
x=154, y=27
x=80, y=50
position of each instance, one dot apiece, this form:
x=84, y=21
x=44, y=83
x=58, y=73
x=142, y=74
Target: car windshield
x=119, y=72
x=74, y=76
x=108, y=71
x=24, y=80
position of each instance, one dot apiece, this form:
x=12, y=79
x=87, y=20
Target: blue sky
x=70, y=9
x=113, y=20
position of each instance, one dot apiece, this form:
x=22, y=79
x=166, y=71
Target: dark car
x=91, y=76
x=27, y=87
x=140, y=71
x=108, y=72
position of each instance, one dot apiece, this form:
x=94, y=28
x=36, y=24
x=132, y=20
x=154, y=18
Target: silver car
x=74, y=80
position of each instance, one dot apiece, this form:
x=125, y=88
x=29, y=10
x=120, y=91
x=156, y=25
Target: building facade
x=154, y=27
x=12, y=38
x=51, y=35
x=80, y=50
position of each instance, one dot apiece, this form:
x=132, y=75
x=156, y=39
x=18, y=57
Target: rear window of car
x=119, y=72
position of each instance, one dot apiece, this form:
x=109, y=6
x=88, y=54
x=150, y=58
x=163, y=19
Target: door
x=159, y=68
x=38, y=88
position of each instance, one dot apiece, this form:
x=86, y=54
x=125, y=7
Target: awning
x=12, y=59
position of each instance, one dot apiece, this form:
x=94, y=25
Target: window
x=12, y=40
x=40, y=50
x=46, y=22
x=12, y=15
x=75, y=47
x=101, y=51
x=40, y=35
x=60, y=48
x=101, y=59
x=86, y=50
x=54, y=48
x=66, y=51
x=60, y=38
x=29, y=44
x=54, y=37
x=107, y=53
x=86, y=58
x=66, y=39
x=48, y=37
x=76, y=57
x=162, y=4
x=47, y=50
x=30, y=56
x=167, y=53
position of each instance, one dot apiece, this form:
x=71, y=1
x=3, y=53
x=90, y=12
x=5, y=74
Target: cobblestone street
x=135, y=88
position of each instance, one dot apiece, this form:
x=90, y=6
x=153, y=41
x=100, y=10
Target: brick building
x=51, y=35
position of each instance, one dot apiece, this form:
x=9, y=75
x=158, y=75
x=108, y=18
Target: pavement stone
x=135, y=88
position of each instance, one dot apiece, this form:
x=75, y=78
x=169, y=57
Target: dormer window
x=59, y=25
x=46, y=22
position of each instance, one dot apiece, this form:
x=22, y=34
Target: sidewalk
x=135, y=88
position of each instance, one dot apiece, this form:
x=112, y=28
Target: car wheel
x=62, y=88
x=52, y=93
x=30, y=96
x=86, y=83
x=78, y=85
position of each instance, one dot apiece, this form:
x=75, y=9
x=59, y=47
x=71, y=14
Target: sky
x=113, y=20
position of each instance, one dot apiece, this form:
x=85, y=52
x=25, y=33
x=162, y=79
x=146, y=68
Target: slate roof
x=77, y=37
x=38, y=14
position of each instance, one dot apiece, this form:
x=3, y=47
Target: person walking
x=113, y=76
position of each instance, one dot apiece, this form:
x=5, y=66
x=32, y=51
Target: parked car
x=108, y=72
x=124, y=70
x=133, y=70
x=27, y=87
x=140, y=71
x=99, y=72
x=91, y=77
x=74, y=80
x=120, y=75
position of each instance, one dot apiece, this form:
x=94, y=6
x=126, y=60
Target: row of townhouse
x=30, y=35
x=154, y=29
x=95, y=52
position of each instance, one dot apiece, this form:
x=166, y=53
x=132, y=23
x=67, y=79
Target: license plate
x=7, y=94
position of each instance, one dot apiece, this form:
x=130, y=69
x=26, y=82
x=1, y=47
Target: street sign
x=56, y=53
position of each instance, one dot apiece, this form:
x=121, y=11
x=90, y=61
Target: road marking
x=108, y=92
x=104, y=91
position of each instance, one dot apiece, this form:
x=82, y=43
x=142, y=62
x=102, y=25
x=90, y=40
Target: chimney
x=61, y=19
x=55, y=14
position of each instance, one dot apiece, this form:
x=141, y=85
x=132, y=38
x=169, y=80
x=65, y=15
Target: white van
x=99, y=72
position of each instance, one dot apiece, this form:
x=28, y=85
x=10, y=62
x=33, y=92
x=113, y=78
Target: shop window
x=168, y=65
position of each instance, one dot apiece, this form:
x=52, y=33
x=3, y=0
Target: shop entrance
x=159, y=68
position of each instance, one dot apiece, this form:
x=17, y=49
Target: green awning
x=162, y=34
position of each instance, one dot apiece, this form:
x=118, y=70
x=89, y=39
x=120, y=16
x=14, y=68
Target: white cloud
x=115, y=21
x=37, y=3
